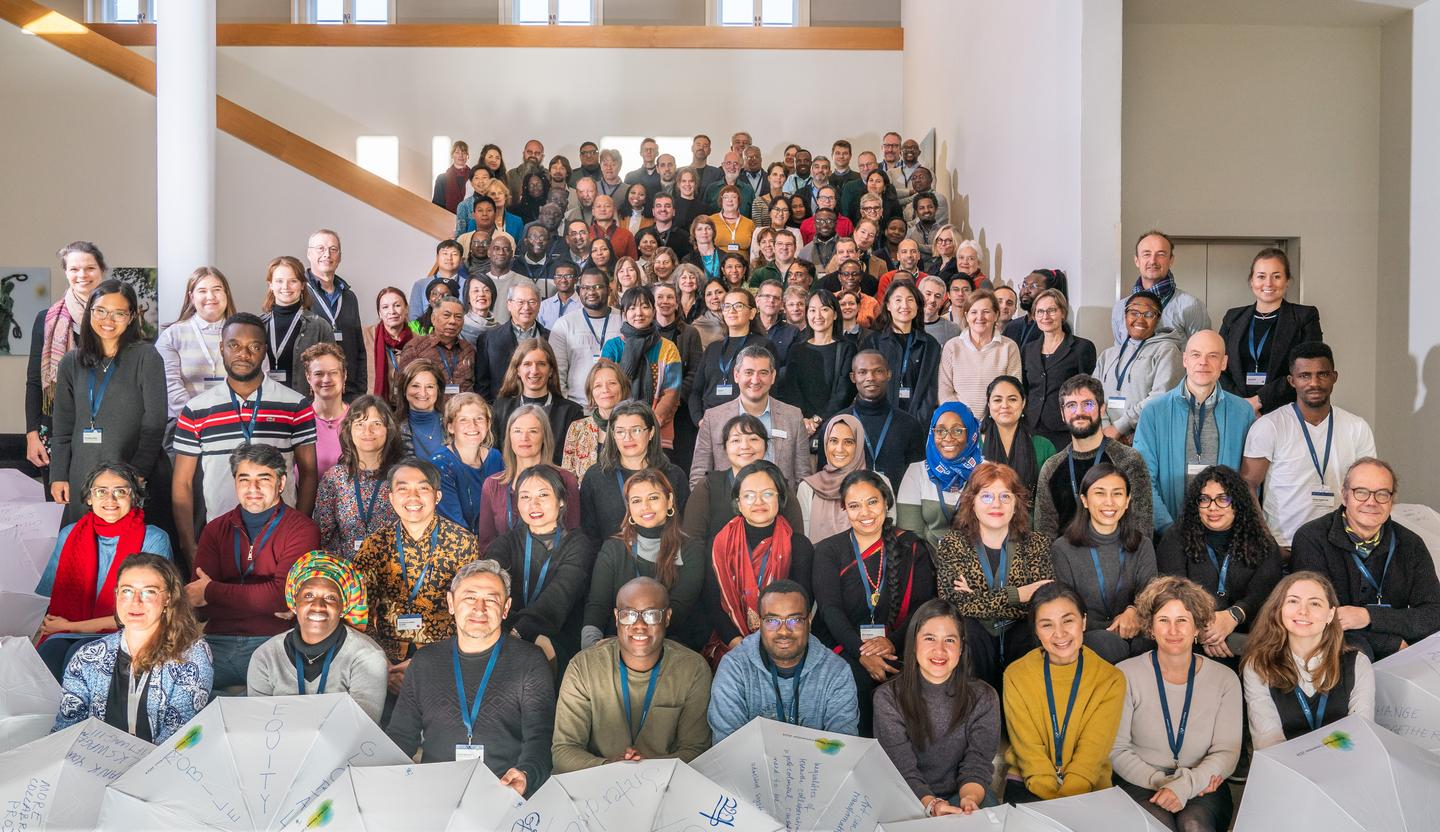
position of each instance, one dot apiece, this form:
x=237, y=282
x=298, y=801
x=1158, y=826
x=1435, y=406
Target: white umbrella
x=1423, y=521
x=635, y=797
x=1348, y=776
x=29, y=695
x=57, y=781
x=363, y=799
x=22, y=560
x=1108, y=810
x=809, y=779
x=247, y=764
x=1407, y=693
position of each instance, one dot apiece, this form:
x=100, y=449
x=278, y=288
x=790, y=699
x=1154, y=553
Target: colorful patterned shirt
x=417, y=588
x=336, y=513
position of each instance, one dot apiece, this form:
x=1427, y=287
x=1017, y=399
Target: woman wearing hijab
x=819, y=494
x=930, y=491
x=1006, y=438
x=650, y=361
x=327, y=645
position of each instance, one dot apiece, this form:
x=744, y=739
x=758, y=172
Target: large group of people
x=693, y=445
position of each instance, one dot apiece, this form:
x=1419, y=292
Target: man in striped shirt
x=248, y=408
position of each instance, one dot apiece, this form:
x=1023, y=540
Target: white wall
x=1423, y=459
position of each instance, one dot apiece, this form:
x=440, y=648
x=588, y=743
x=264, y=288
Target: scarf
x=638, y=343
x=952, y=474
x=732, y=558
x=354, y=609
x=827, y=514
x=1164, y=288
x=1022, y=452
x=384, y=342
x=312, y=653
x=1364, y=545
x=60, y=323
x=73, y=596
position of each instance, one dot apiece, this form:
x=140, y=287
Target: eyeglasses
x=532, y=302
x=631, y=433
x=147, y=596
x=989, y=498
x=1145, y=314
x=120, y=316
x=958, y=432
x=629, y=618
x=119, y=492
x=1221, y=500
x=794, y=622
x=850, y=274
x=326, y=249
x=1383, y=496
x=1089, y=406
x=750, y=498
x=732, y=307
x=1048, y=312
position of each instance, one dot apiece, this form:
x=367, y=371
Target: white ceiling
x=1266, y=12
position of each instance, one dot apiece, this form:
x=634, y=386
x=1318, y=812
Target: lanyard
x=1070, y=459
x=565, y=307
x=764, y=565
x=265, y=533
x=544, y=569
x=1100, y=576
x=1313, y=717
x=246, y=428
x=324, y=670
x=1199, y=428
x=1176, y=737
x=200, y=338
x=996, y=579
x=1369, y=578
x=468, y=712
x=1254, y=349
x=947, y=516
x=1310, y=443
x=1057, y=729
x=880, y=442
x=604, y=328
x=394, y=364
x=134, y=692
x=96, y=400
x=872, y=590
x=1222, y=568
x=649, y=696
x=794, y=718
x=724, y=367
x=276, y=349
x=332, y=314
x=400, y=553
x=1122, y=367
x=905, y=356
x=446, y=361
x=366, y=509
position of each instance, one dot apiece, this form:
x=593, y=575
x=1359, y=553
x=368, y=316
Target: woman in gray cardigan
x=110, y=403
x=291, y=327
x=1106, y=556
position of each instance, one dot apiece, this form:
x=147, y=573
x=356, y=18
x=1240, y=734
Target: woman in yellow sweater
x=1062, y=705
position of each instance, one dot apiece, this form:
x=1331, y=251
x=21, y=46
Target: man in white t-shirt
x=1287, y=449
x=578, y=336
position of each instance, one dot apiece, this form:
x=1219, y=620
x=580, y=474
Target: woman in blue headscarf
x=930, y=492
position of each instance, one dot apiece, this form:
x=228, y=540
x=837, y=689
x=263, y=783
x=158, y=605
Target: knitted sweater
x=953, y=758
x=965, y=371
x=744, y=689
x=359, y=669
x=1085, y=754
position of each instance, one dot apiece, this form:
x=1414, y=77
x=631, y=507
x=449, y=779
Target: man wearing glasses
x=1382, y=572
x=337, y=302
x=1139, y=369
x=1082, y=406
x=579, y=336
x=494, y=347
x=636, y=696
x=782, y=672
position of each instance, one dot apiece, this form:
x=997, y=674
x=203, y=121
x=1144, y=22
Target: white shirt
x=1265, y=725
x=552, y=310
x=577, y=339
x=1294, y=491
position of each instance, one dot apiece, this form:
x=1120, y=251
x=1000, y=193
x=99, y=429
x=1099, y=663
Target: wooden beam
x=848, y=38
x=294, y=150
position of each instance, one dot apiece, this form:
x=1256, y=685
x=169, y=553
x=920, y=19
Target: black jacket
x=819, y=387
x=1044, y=375
x=493, y=349
x=1246, y=586
x=556, y=606
x=703, y=395
x=602, y=498
x=904, y=442
x=1296, y=324
x=922, y=376
x=561, y=410
x=349, y=332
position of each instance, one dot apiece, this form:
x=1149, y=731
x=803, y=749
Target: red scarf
x=738, y=569
x=382, y=361
x=73, y=596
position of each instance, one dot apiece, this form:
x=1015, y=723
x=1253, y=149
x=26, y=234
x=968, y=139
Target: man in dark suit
x=494, y=346
x=334, y=299
x=754, y=375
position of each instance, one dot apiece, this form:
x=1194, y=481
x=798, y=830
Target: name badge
x=213, y=379
x=779, y=433
x=1322, y=498
x=409, y=624
x=1194, y=469
x=724, y=389
x=469, y=752
x=452, y=389
x=1116, y=403
x=339, y=336
x=905, y=392
x=869, y=631
x=357, y=544
x=91, y=436
x=1255, y=379
x=281, y=376
x=733, y=247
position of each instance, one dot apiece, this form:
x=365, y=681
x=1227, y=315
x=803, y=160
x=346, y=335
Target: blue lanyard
x=400, y=553
x=544, y=569
x=711, y=262
x=905, y=356
x=366, y=509
x=996, y=579
x=947, y=516
x=1369, y=578
x=794, y=718
x=394, y=364
x=874, y=449
x=1256, y=350
x=1122, y=367
x=1175, y=737
x=604, y=328
x=1313, y=717
x=265, y=532
x=1070, y=459
x=1100, y=576
x=872, y=590
x=724, y=367
x=96, y=400
x=1059, y=730
x=1310, y=443
x=1199, y=428
x=246, y=428
x=1222, y=568
x=565, y=307
x=447, y=362
x=468, y=712
x=649, y=696
x=324, y=670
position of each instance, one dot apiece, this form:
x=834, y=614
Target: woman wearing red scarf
x=750, y=552
x=80, y=578
x=384, y=340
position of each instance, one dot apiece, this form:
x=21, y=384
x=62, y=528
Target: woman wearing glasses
x=1048, y=361
x=929, y=494
x=710, y=506
x=80, y=577
x=1221, y=543
x=110, y=402
x=715, y=380
x=632, y=444
x=1143, y=366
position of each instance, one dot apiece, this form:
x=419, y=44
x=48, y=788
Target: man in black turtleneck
x=893, y=438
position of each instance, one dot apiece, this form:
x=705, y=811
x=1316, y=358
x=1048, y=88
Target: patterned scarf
x=952, y=474
x=1164, y=288
x=1363, y=545
x=60, y=323
x=740, y=595
x=353, y=607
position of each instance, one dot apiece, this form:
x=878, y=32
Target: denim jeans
x=232, y=659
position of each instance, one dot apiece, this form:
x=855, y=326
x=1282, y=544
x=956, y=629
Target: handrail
x=848, y=38
x=294, y=150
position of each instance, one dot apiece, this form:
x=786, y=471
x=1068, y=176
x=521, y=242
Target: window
x=344, y=11
x=439, y=154
x=121, y=11
x=629, y=147
x=550, y=12
x=380, y=155
x=761, y=12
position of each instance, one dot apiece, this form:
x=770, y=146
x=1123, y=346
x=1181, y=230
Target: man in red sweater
x=242, y=561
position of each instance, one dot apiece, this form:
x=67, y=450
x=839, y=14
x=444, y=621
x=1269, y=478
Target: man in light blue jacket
x=782, y=672
x=1192, y=427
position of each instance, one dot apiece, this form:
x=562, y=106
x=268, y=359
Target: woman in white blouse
x=191, y=345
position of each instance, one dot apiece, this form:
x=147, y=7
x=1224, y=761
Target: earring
x=671, y=512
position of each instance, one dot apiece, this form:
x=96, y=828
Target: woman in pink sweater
x=969, y=363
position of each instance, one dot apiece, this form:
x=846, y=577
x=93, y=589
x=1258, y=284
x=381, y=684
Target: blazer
x=175, y=692
x=926, y=392
x=789, y=443
x=492, y=358
x=813, y=386
x=313, y=329
x=1296, y=324
x=1044, y=377
x=562, y=412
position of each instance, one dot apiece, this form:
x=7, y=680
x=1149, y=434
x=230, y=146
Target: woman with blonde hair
x=467, y=459
x=190, y=347
x=526, y=442
x=605, y=387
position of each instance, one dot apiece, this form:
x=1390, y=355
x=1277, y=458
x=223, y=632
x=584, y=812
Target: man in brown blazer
x=754, y=375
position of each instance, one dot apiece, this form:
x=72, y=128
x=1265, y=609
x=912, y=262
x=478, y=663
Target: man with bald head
x=730, y=165
x=635, y=696
x=1192, y=427
x=908, y=256
x=622, y=242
